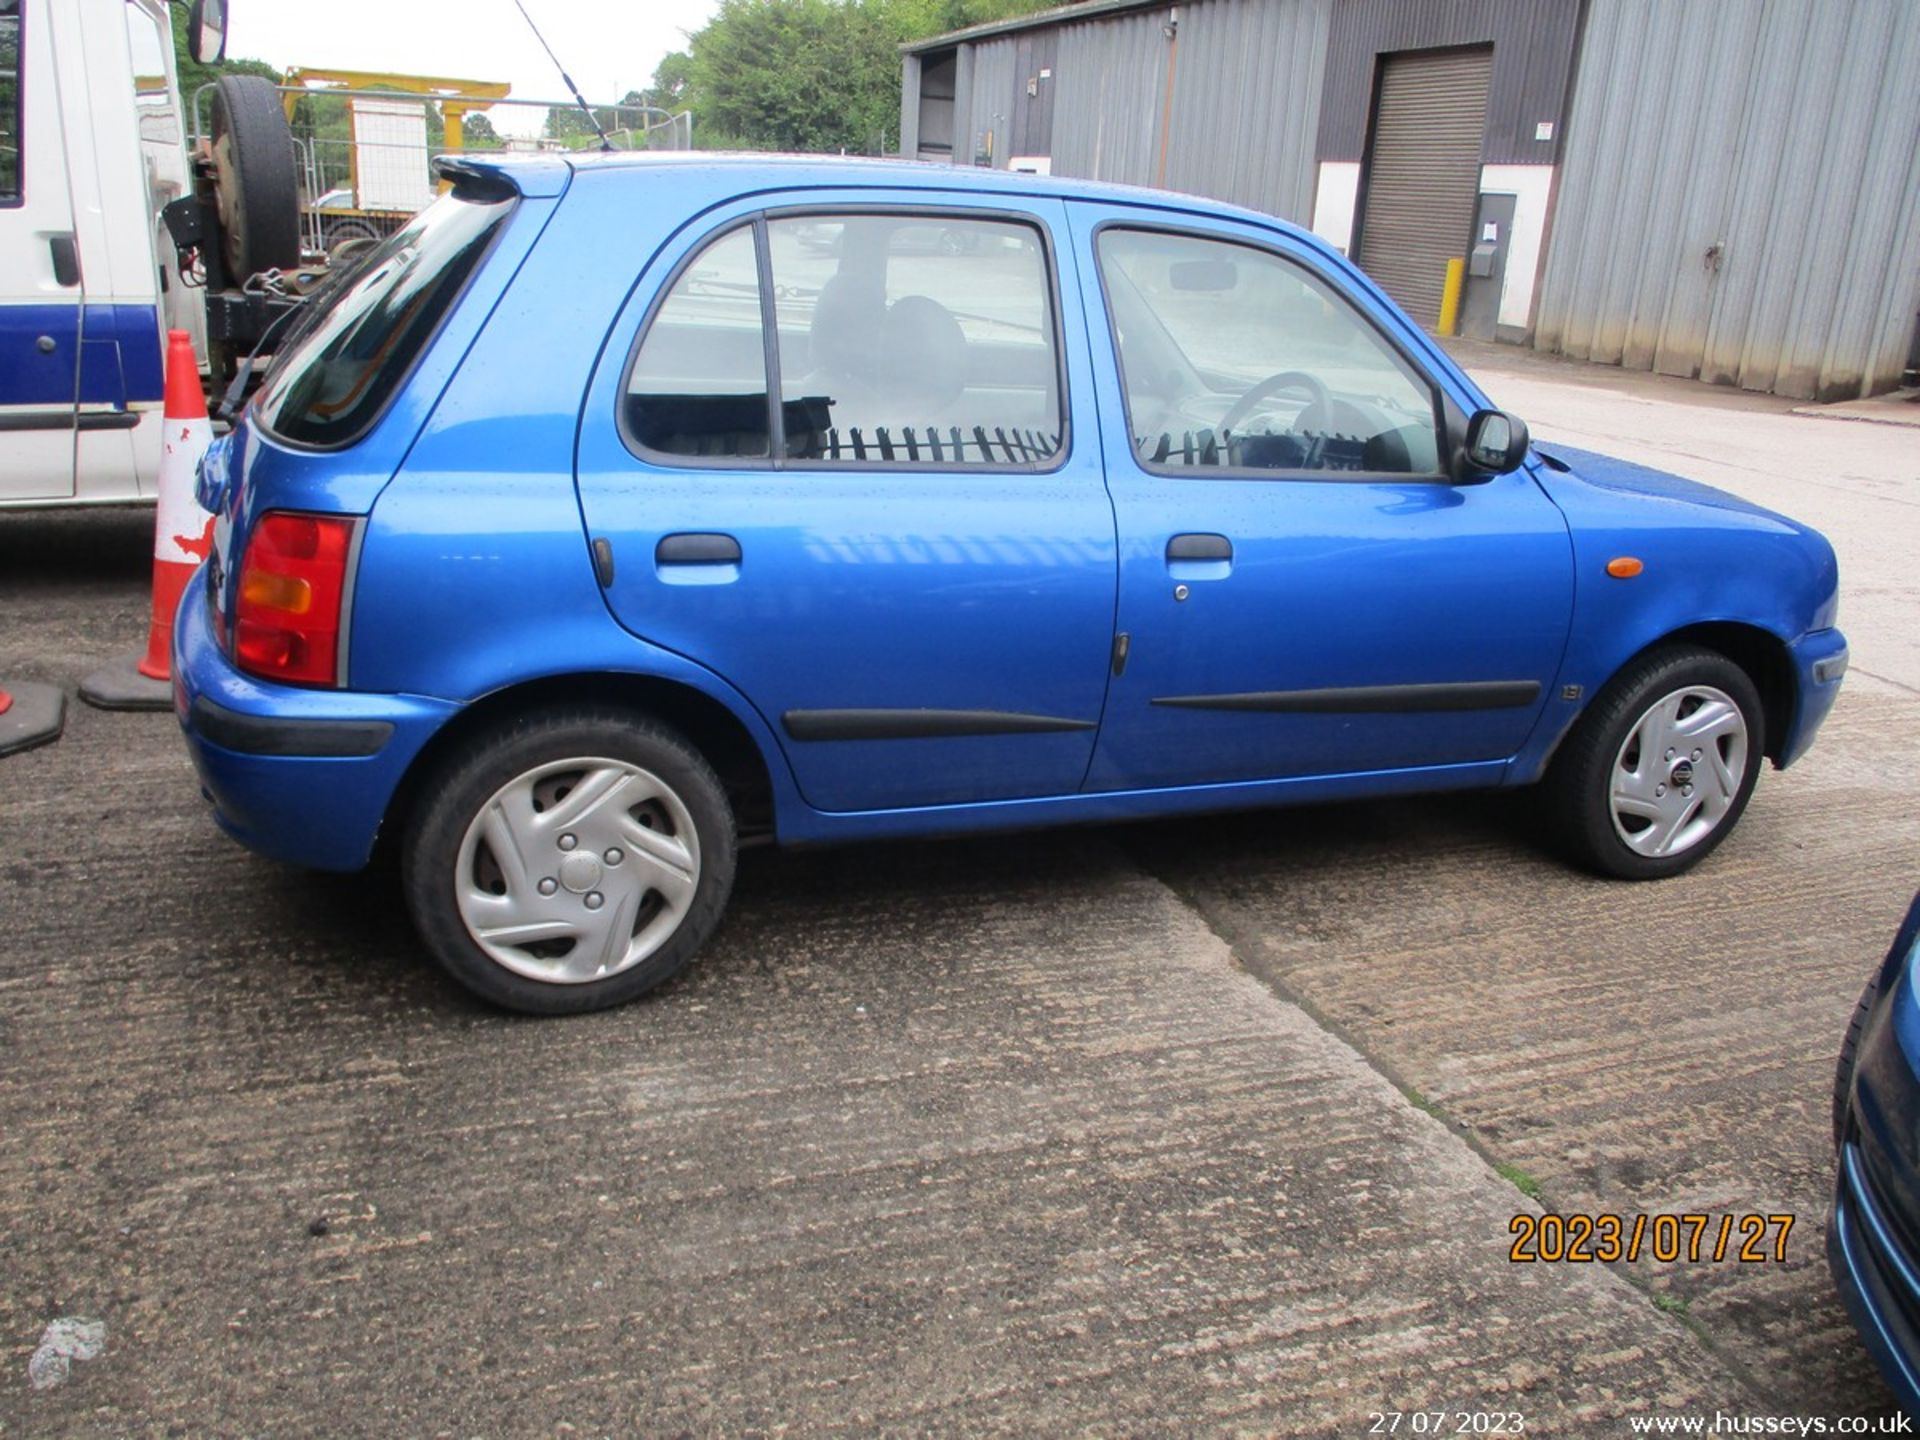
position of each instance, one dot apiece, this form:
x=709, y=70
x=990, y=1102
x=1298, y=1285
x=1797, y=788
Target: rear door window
x=915, y=339
x=349, y=356
x=699, y=382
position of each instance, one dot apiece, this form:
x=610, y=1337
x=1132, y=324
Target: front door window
x=1235, y=359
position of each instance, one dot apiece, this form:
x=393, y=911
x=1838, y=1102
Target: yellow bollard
x=1450, y=295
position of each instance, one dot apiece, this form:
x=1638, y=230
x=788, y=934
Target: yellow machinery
x=454, y=97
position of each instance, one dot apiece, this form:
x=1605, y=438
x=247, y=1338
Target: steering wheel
x=1273, y=385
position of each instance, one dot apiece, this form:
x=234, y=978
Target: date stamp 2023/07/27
x=1688, y=1237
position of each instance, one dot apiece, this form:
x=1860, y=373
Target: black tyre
x=1849, y=1057
x=570, y=861
x=1659, y=769
x=255, y=182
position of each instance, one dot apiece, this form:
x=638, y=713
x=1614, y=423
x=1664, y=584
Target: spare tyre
x=256, y=186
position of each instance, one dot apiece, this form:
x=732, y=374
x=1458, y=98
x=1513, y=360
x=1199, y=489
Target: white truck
x=111, y=233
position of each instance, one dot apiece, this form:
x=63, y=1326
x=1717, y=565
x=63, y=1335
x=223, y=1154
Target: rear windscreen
x=343, y=363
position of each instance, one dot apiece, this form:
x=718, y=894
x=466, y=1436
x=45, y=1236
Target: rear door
x=908, y=565
x=39, y=267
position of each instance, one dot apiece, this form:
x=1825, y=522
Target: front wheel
x=1659, y=769
x=571, y=861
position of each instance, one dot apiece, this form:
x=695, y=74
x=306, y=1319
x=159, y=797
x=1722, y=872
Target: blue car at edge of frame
x=1873, y=1237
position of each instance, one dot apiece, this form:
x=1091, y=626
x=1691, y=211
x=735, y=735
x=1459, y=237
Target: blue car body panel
x=1873, y=1238
x=1710, y=558
x=1459, y=584
x=321, y=811
x=484, y=483
x=865, y=590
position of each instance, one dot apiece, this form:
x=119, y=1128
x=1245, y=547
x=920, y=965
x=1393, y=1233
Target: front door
x=1303, y=589
x=39, y=268
x=907, y=566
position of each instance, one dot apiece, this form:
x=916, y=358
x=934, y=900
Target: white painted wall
x=1530, y=186
x=1334, y=198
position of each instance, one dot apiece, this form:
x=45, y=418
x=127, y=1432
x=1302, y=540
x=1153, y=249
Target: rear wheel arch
x=721, y=737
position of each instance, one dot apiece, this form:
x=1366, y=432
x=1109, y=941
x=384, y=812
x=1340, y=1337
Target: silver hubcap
x=1678, y=771
x=577, y=870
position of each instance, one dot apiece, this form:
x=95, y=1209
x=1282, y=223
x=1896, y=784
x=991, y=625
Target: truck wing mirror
x=207, y=31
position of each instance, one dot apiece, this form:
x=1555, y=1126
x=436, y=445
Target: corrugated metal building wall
x=1732, y=192
x=1246, y=99
x=1740, y=195
x=985, y=99
x=1110, y=87
x=1246, y=102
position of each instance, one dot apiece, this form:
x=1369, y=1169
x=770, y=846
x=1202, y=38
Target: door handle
x=1199, y=547
x=697, y=549
x=1198, y=557
x=66, y=260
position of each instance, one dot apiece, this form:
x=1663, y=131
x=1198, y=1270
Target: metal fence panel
x=1741, y=194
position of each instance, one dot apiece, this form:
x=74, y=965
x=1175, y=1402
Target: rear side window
x=9, y=102
x=923, y=339
x=699, y=383
x=348, y=357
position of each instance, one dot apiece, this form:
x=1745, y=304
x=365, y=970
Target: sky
x=608, y=46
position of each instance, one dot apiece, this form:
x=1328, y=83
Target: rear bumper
x=303, y=776
x=1819, y=663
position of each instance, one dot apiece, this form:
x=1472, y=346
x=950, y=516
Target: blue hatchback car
x=1873, y=1238
x=619, y=510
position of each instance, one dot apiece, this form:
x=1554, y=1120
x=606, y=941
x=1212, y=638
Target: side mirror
x=1496, y=444
x=207, y=31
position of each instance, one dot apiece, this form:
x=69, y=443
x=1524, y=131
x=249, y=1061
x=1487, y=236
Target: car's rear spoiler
x=484, y=177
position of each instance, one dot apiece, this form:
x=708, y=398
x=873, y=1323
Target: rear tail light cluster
x=287, y=610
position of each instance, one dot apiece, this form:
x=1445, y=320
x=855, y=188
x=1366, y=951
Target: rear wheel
x=1661, y=766
x=571, y=861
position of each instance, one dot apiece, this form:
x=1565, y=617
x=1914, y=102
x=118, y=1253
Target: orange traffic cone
x=182, y=536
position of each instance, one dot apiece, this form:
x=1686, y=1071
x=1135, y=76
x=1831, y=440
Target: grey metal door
x=1423, y=172
x=1487, y=267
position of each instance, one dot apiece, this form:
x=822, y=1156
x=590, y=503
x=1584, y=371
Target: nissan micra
x=619, y=511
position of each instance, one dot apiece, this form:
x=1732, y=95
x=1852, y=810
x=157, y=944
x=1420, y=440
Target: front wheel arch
x=1764, y=657
x=1600, y=791
x=1760, y=653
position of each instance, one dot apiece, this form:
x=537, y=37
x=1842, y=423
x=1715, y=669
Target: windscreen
x=337, y=371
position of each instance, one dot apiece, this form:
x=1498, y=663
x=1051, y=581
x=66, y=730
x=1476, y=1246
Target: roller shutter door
x=1423, y=173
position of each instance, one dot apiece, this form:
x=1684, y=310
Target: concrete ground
x=1193, y=1128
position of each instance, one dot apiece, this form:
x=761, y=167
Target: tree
x=796, y=74
x=807, y=74
x=194, y=75
x=477, y=132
